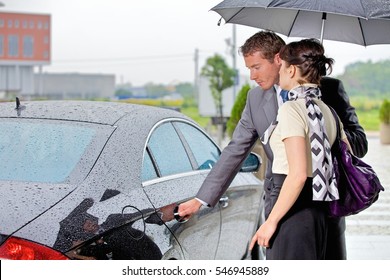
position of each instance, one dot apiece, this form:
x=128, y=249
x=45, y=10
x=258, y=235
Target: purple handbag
x=357, y=182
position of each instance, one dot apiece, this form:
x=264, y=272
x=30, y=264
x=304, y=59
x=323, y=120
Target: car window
x=168, y=151
x=45, y=151
x=148, y=171
x=206, y=153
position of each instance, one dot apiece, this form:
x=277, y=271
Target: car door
x=170, y=176
x=240, y=205
x=241, y=215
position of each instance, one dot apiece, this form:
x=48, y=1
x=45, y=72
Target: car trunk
x=22, y=202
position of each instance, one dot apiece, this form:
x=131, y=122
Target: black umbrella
x=362, y=22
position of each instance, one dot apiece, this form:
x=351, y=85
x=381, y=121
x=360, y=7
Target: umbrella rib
x=361, y=31
x=235, y=14
x=293, y=23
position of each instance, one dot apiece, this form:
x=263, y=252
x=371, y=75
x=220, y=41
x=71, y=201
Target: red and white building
x=25, y=43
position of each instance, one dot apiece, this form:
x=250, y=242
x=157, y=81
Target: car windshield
x=43, y=151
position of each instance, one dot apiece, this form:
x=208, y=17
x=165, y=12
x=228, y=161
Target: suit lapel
x=270, y=106
x=264, y=114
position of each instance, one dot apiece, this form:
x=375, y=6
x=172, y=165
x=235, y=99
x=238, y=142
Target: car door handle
x=178, y=218
x=224, y=201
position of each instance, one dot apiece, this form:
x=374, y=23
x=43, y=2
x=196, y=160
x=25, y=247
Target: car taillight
x=20, y=249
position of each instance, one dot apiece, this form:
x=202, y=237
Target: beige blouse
x=293, y=121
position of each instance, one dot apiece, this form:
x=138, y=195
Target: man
x=262, y=59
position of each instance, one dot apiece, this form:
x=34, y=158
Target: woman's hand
x=264, y=234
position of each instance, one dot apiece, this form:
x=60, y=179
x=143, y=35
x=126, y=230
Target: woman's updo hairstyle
x=308, y=56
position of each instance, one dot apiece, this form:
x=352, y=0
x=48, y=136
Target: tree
x=156, y=90
x=221, y=77
x=123, y=92
x=185, y=89
x=367, y=79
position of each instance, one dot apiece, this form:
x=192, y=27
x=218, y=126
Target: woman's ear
x=292, y=71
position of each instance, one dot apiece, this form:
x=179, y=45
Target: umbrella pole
x=322, y=27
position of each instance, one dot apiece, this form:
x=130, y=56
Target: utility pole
x=234, y=62
x=231, y=43
x=196, y=80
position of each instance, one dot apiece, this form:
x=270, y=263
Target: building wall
x=25, y=43
x=24, y=39
x=73, y=86
x=16, y=79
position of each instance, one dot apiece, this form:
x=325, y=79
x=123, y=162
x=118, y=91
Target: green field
x=369, y=119
x=367, y=110
x=192, y=112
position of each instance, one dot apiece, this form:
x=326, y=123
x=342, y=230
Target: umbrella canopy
x=362, y=22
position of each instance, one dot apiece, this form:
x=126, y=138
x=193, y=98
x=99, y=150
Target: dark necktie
x=284, y=94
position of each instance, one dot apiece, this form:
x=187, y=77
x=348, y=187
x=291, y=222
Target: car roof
x=101, y=112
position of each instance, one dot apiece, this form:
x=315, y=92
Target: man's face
x=262, y=71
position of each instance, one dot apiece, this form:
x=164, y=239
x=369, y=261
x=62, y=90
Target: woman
x=303, y=173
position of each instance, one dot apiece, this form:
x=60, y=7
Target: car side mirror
x=252, y=163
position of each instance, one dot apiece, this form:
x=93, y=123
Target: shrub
x=384, y=112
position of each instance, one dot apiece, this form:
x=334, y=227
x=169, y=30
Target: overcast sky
x=151, y=40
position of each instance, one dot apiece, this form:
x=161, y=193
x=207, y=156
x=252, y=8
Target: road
x=368, y=233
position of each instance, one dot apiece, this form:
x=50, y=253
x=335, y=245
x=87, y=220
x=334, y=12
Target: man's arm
x=227, y=166
x=333, y=94
x=232, y=157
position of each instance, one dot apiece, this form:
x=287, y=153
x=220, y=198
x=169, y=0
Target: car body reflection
x=100, y=180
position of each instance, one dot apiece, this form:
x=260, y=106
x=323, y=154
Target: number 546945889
x=246, y=270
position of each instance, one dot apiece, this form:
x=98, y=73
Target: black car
x=101, y=180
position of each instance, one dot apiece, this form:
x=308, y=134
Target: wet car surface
x=101, y=180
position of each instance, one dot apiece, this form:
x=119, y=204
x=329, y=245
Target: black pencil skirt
x=302, y=233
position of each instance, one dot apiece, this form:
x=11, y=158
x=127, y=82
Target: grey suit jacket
x=259, y=112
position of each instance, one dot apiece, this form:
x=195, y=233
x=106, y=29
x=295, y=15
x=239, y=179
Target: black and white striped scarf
x=324, y=180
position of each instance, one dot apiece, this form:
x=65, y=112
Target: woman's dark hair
x=267, y=43
x=308, y=56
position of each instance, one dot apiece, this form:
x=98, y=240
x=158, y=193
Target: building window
x=16, y=24
x=10, y=23
x=28, y=46
x=13, y=46
x=1, y=45
x=32, y=24
x=1, y=22
x=25, y=24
